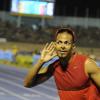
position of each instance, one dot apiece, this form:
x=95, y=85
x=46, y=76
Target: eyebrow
x=64, y=41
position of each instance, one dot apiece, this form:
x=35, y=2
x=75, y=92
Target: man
x=77, y=76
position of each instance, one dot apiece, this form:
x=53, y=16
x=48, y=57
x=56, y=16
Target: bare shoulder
x=91, y=66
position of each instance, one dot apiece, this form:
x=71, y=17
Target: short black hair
x=68, y=30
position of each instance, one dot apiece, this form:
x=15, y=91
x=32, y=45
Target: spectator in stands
x=77, y=76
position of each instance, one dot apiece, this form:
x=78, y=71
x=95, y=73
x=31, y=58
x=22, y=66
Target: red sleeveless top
x=74, y=84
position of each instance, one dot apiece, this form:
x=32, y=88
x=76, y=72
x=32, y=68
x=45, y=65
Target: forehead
x=64, y=36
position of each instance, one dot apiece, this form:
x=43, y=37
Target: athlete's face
x=63, y=45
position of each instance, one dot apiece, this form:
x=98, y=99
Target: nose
x=62, y=47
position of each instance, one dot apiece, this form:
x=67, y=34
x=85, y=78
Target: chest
x=74, y=76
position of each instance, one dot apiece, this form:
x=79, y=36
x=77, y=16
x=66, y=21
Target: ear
x=74, y=48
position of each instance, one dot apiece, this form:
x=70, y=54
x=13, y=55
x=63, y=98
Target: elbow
x=27, y=84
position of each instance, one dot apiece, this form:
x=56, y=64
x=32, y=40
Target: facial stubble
x=64, y=61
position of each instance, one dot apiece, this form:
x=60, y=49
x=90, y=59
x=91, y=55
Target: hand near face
x=48, y=52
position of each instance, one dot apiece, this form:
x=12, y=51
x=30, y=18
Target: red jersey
x=74, y=84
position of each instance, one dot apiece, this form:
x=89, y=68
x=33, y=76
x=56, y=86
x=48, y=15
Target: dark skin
x=34, y=76
x=63, y=48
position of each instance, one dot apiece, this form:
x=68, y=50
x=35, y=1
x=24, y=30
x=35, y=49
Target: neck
x=68, y=57
x=65, y=61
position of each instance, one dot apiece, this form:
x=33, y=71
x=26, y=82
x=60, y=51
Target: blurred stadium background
x=26, y=25
x=25, y=28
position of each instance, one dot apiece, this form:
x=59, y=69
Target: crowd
x=86, y=36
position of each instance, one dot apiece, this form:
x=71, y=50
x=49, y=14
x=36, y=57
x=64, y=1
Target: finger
x=45, y=46
x=50, y=46
x=51, y=52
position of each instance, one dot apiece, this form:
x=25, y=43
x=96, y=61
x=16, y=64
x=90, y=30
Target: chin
x=62, y=56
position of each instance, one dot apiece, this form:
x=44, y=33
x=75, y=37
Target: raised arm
x=93, y=71
x=34, y=77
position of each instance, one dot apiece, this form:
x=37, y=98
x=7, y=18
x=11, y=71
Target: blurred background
x=27, y=25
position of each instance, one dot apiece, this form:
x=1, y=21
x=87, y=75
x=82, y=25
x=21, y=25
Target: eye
x=59, y=42
x=67, y=42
